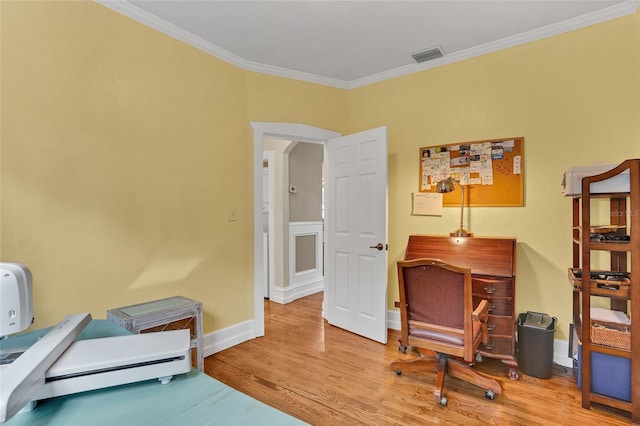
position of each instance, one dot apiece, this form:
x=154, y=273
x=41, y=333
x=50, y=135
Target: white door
x=356, y=233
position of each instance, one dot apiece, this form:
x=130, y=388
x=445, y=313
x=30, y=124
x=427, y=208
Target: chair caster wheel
x=513, y=374
x=398, y=372
x=489, y=394
x=402, y=349
x=478, y=357
x=443, y=401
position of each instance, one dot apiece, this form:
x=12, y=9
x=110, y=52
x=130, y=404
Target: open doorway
x=286, y=131
x=356, y=215
x=292, y=218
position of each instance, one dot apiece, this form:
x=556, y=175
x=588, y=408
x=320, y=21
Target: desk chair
x=437, y=315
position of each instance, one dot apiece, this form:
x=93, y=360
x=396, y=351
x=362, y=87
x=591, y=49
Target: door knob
x=378, y=246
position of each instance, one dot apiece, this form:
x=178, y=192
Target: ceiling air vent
x=427, y=55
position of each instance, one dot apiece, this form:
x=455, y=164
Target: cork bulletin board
x=490, y=170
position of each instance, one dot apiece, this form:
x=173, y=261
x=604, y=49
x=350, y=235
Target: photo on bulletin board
x=491, y=171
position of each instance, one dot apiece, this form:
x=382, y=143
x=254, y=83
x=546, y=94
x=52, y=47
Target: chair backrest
x=435, y=293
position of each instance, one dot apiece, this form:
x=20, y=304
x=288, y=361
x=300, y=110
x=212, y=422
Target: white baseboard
x=228, y=337
x=284, y=295
x=393, y=319
x=561, y=353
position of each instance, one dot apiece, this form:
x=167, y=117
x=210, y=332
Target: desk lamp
x=448, y=185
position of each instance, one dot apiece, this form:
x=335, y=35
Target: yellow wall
x=276, y=99
x=123, y=151
x=575, y=100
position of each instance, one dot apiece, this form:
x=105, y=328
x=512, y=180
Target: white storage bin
x=572, y=180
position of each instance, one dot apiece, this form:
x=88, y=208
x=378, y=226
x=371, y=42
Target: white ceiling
x=353, y=43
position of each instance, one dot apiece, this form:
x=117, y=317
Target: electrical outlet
x=293, y=189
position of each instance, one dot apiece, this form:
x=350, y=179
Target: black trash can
x=535, y=343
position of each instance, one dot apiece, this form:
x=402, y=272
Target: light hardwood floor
x=324, y=375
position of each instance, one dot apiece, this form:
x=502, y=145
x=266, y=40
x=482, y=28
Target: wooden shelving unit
x=625, y=256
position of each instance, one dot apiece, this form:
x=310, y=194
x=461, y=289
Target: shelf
x=621, y=247
x=614, y=289
x=610, y=350
x=618, y=247
x=611, y=402
x=622, y=295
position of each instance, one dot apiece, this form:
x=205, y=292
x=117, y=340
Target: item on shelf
x=611, y=334
x=613, y=278
x=603, y=283
x=610, y=375
x=610, y=328
x=610, y=315
x=604, y=229
x=572, y=180
x=603, y=275
x=610, y=237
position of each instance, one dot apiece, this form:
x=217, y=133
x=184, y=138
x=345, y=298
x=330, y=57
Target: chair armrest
x=481, y=312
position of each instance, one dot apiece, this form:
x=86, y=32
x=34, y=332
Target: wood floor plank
x=324, y=375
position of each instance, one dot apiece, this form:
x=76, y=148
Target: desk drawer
x=497, y=346
x=501, y=326
x=492, y=286
x=502, y=306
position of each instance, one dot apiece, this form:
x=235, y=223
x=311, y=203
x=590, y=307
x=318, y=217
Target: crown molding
x=125, y=8
x=593, y=18
x=142, y=16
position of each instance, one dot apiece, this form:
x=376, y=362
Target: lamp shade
x=444, y=186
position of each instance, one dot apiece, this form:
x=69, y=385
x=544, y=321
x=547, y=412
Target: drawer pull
x=489, y=289
x=491, y=306
x=490, y=345
x=491, y=326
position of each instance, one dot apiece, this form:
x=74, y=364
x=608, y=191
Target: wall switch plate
x=233, y=214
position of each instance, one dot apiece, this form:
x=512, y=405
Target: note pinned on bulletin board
x=490, y=170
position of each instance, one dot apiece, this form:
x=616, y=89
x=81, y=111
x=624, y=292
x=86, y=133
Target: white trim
x=228, y=337
x=593, y=18
x=284, y=295
x=616, y=11
x=393, y=319
x=561, y=353
x=270, y=156
x=142, y=16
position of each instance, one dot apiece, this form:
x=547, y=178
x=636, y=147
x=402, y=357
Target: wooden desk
x=172, y=313
x=492, y=261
